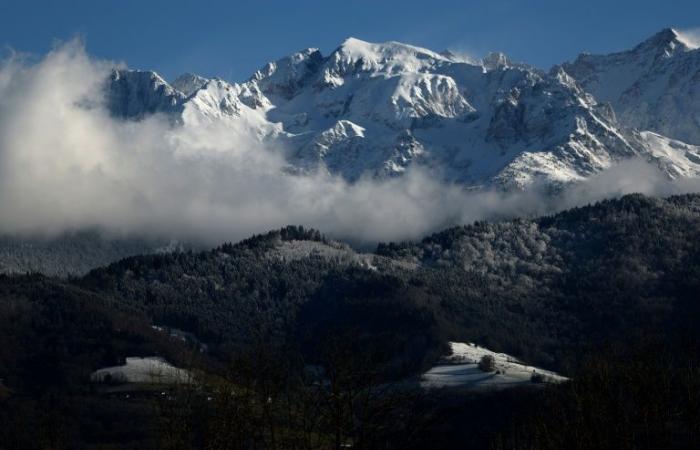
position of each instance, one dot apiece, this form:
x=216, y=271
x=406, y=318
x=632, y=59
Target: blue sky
x=231, y=39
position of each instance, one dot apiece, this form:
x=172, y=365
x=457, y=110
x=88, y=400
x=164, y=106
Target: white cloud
x=691, y=37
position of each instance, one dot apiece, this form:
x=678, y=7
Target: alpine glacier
x=376, y=110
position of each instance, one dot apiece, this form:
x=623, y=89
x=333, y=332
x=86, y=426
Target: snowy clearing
x=461, y=369
x=153, y=370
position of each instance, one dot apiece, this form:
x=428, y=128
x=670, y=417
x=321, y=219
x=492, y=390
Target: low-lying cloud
x=66, y=164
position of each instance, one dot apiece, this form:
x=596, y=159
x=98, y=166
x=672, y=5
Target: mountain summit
x=655, y=86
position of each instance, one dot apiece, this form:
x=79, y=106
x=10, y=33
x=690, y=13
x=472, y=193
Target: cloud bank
x=66, y=164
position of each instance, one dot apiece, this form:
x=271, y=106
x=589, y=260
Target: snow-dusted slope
x=189, y=83
x=340, y=253
x=655, y=86
x=678, y=159
x=461, y=369
x=376, y=110
x=152, y=370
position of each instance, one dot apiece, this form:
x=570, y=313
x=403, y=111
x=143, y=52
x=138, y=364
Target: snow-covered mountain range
x=376, y=110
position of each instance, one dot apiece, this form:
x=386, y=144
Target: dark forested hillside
x=550, y=290
x=70, y=254
x=541, y=289
x=53, y=335
x=222, y=294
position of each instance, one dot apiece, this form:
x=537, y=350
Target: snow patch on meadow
x=152, y=370
x=461, y=369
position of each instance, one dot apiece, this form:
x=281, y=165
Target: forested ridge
x=540, y=289
x=606, y=293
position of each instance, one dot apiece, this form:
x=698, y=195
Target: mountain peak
x=386, y=49
x=287, y=75
x=355, y=55
x=651, y=87
x=667, y=41
x=189, y=83
x=496, y=60
x=353, y=41
x=667, y=34
x=131, y=94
